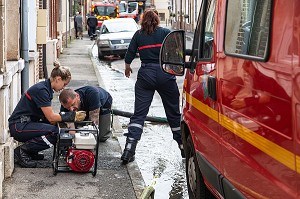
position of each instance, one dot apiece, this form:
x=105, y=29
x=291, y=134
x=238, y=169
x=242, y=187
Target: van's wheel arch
x=195, y=183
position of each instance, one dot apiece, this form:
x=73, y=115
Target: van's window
x=122, y=7
x=209, y=30
x=110, y=11
x=204, y=34
x=247, y=27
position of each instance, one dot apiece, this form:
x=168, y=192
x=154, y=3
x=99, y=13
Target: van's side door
x=256, y=107
x=202, y=107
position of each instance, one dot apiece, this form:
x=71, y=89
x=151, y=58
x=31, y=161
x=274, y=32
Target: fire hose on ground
x=148, y=118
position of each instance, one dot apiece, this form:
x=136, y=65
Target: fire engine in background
x=133, y=9
x=241, y=99
x=104, y=11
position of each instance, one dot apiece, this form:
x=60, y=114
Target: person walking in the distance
x=95, y=101
x=92, y=23
x=32, y=121
x=79, y=23
x=75, y=25
x=151, y=78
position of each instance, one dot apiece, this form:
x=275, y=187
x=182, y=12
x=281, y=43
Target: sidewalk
x=113, y=180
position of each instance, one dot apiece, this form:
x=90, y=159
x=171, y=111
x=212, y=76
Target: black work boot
x=36, y=156
x=180, y=146
x=129, y=151
x=23, y=158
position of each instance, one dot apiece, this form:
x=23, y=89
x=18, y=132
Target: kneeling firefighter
x=32, y=121
x=95, y=101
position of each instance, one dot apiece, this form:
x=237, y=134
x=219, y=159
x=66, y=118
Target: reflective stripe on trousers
x=151, y=78
x=37, y=136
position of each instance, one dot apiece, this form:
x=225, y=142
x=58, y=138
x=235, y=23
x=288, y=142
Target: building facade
x=30, y=41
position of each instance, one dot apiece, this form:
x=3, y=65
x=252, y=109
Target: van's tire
x=100, y=55
x=195, y=183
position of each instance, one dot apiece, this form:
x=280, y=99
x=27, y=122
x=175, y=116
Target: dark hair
x=150, y=21
x=61, y=71
x=66, y=94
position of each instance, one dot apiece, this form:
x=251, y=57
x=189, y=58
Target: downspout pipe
x=67, y=24
x=24, y=46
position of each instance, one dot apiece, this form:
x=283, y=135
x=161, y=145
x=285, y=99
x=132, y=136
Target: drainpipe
x=24, y=46
x=70, y=14
x=44, y=49
x=66, y=23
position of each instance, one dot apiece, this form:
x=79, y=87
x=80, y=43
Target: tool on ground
x=79, y=152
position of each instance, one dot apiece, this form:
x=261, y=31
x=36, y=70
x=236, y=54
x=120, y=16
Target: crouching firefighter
x=95, y=101
x=33, y=120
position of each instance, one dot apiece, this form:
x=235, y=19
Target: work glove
x=72, y=116
x=80, y=116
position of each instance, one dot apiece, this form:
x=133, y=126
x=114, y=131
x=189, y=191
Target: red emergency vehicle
x=241, y=99
x=105, y=11
x=134, y=9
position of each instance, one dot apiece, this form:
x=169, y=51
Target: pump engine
x=77, y=152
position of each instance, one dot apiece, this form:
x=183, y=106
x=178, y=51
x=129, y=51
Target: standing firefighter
x=150, y=78
x=92, y=24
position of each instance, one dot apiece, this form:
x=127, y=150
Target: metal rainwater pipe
x=24, y=46
x=66, y=24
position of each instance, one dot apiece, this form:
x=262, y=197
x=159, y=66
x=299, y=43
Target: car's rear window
x=121, y=26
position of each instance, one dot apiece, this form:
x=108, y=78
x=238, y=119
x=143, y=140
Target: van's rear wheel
x=196, y=186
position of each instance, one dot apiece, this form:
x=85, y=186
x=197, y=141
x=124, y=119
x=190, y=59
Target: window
x=247, y=27
x=204, y=34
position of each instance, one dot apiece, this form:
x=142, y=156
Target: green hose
x=148, y=192
x=148, y=118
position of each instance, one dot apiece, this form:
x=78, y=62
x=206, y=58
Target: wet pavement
x=113, y=180
x=157, y=154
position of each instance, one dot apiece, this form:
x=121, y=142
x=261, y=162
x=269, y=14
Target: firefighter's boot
x=23, y=158
x=129, y=151
x=181, y=148
x=36, y=156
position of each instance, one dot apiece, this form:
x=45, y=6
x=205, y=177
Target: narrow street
x=157, y=154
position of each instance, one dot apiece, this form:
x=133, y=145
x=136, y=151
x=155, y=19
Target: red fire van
x=241, y=99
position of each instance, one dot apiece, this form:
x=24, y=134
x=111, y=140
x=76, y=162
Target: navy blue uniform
x=151, y=78
x=92, y=98
x=28, y=123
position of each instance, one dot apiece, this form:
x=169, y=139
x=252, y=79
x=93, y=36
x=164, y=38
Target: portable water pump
x=78, y=152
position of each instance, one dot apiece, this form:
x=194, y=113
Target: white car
x=114, y=36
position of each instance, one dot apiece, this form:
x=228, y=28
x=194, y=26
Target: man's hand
x=80, y=116
x=72, y=116
x=128, y=70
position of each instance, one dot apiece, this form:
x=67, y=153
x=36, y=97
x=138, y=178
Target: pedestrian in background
x=33, y=120
x=75, y=25
x=78, y=20
x=147, y=41
x=92, y=23
x=95, y=101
